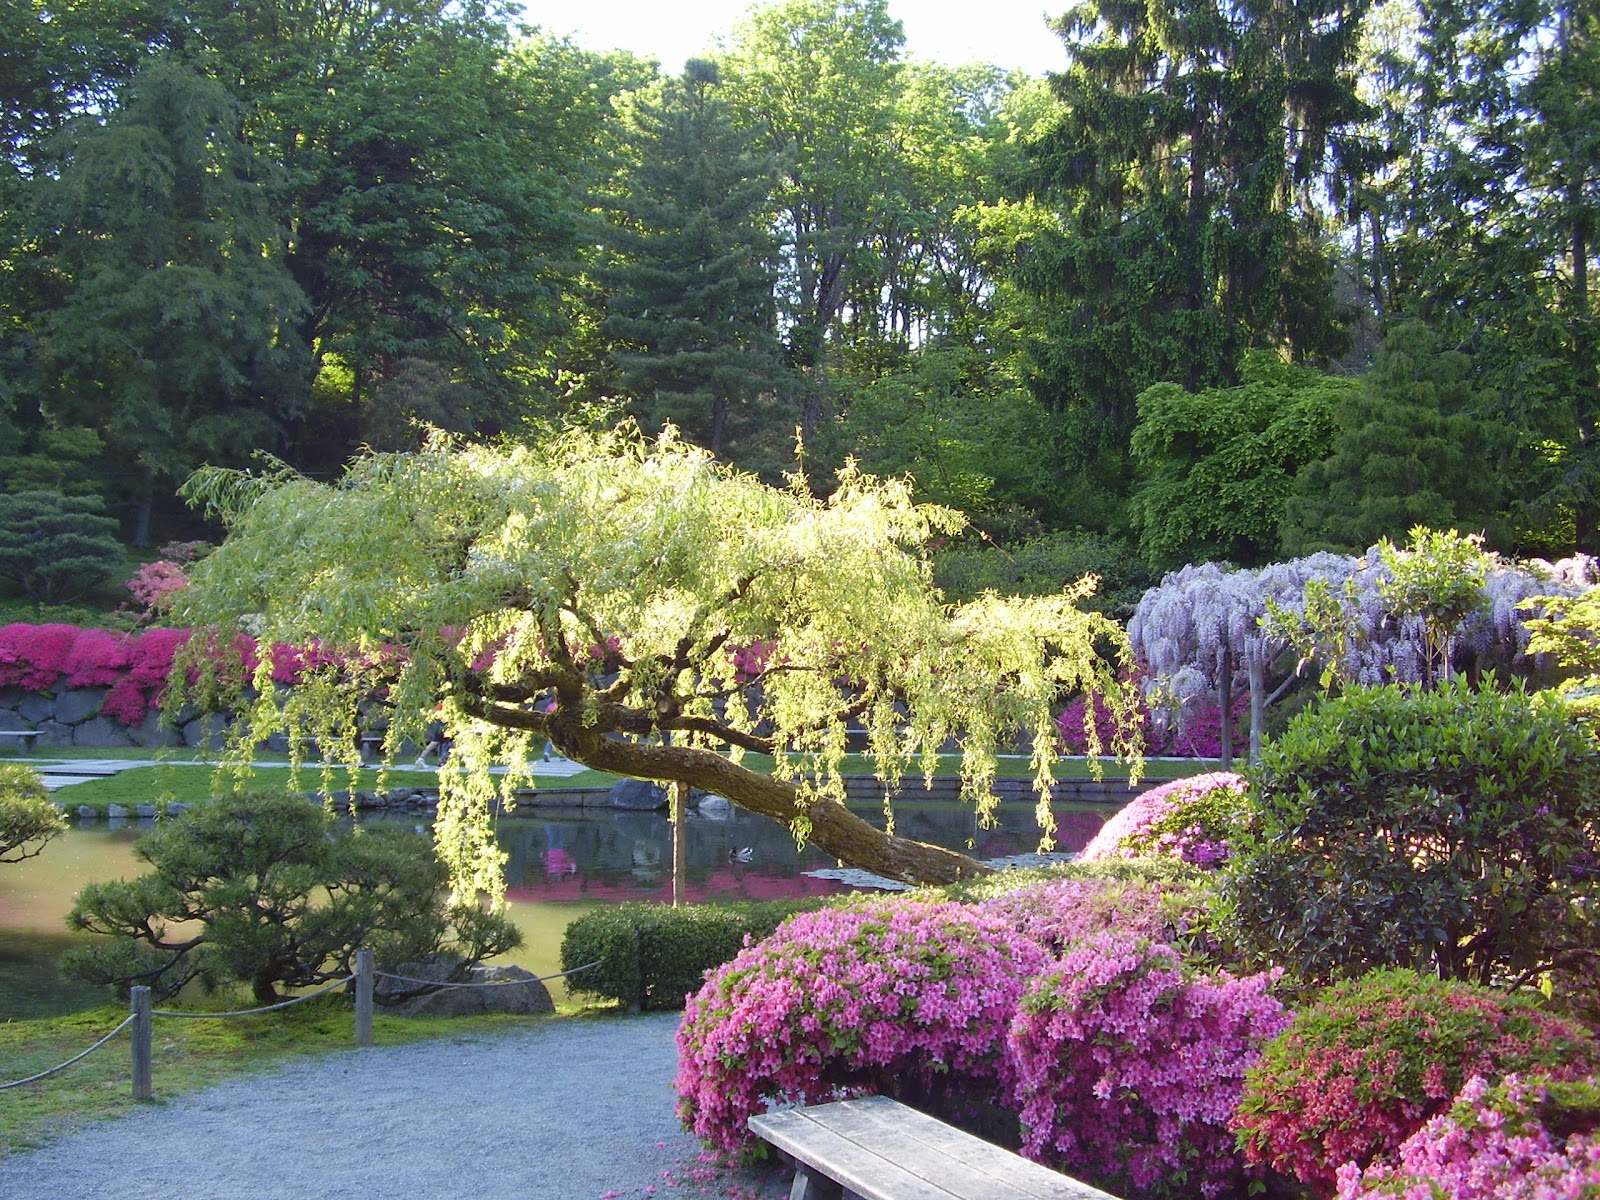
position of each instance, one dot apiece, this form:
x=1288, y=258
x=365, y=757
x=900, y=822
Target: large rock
x=526, y=995
x=35, y=707
x=205, y=731
x=714, y=808
x=637, y=795
x=101, y=731
x=54, y=733
x=153, y=731
x=76, y=705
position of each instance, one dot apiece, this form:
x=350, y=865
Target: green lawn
x=185, y=775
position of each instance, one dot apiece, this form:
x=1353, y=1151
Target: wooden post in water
x=364, y=997
x=680, y=854
x=139, y=1000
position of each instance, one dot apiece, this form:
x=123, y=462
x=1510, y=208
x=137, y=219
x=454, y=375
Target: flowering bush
x=98, y=658
x=1128, y=1071
x=154, y=584
x=1495, y=1143
x=1190, y=819
x=32, y=656
x=905, y=998
x=1061, y=913
x=1194, y=732
x=1365, y=1067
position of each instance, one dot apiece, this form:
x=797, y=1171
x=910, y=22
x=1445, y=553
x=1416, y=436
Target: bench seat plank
x=882, y=1150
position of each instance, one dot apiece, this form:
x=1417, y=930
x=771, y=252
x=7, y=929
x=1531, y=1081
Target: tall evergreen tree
x=1180, y=174
x=1494, y=226
x=171, y=332
x=692, y=305
x=1416, y=445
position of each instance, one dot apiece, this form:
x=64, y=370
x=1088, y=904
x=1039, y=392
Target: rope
x=249, y=1012
x=489, y=983
x=126, y=1021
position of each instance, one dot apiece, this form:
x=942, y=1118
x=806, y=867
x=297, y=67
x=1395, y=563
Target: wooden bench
x=881, y=1150
x=25, y=738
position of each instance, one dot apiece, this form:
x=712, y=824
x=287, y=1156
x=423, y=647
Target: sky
x=1007, y=33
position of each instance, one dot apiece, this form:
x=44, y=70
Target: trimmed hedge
x=652, y=956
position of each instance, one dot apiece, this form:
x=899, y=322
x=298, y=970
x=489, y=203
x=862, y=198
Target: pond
x=562, y=862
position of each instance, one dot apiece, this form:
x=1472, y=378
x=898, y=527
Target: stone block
x=101, y=731
x=36, y=706
x=76, y=705
x=206, y=731
x=53, y=733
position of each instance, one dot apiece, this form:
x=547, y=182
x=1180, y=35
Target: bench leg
x=809, y=1186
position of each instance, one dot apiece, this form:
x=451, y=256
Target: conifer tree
x=1414, y=447
x=692, y=308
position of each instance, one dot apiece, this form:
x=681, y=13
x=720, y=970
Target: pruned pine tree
x=692, y=307
x=653, y=613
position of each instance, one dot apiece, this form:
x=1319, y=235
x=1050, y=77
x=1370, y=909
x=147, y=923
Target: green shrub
x=27, y=818
x=653, y=955
x=261, y=888
x=57, y=547
x=1450, y=831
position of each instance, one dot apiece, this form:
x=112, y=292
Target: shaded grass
x=186, y=1054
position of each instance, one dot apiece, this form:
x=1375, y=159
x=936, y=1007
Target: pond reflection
x=561, y=862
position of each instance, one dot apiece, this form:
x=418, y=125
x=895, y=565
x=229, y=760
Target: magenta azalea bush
x=1127, y=1070
x=1189, y=819
x=1060, y=913
x=903, y=998
x=1495, y=1143
x=1375, y=1059
x=1197, y=735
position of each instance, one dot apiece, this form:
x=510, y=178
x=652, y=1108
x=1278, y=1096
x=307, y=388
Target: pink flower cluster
x=1061, y=913
x=1198, y=735
x=1189, y=819
x=154, y=584
x=1128, y=1070
x=904, y=998
x=1368, y=1065
x=1493, y=1144
x=134, y=666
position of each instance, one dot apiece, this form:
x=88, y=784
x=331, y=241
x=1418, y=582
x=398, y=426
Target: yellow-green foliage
x=631, y=576
x=27, y=818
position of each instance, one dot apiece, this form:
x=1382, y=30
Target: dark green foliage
x=1216, y=467
x=1044, y=565
x=1416, y=445
x=55, y=547
x=27, y=818
x=653, y=955
x=692, y=307
x=1451, y=831
x=1186, y=225
x=264, y=889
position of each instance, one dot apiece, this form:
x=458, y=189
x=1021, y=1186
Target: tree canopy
x=653, y=613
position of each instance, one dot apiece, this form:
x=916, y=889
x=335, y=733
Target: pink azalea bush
x=906, y=998
x=154, y=584
x=1189, y=819
x=1495, y=1143
x=1061, y=913
x=1198, y=735
x=32, y=657
x=1375, y=1059
x=1127, y=1070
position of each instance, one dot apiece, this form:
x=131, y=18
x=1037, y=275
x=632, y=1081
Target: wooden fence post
x=363, y=997
x=139, y=998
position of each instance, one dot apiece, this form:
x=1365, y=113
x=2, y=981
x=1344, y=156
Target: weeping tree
x=653, y=613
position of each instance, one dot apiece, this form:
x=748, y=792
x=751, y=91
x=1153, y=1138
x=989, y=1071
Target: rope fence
x=364, y=976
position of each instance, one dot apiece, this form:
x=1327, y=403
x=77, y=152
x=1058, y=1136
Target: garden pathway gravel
x=564, y=1109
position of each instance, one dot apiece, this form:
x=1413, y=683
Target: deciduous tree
x=655, y=615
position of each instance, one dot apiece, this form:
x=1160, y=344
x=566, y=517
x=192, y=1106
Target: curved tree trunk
x=834, y=828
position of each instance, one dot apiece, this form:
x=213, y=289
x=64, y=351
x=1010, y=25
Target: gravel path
x=567, y=1109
